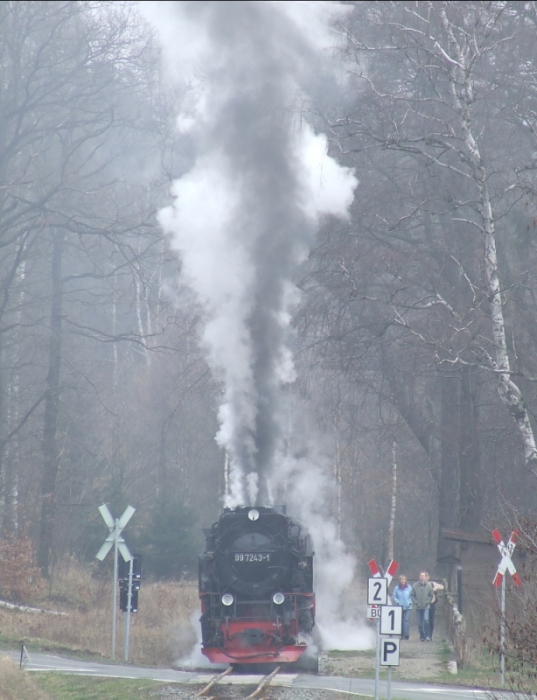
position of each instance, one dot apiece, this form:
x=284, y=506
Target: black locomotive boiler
x=256, y=587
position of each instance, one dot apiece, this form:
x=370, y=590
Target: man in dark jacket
x=422, y=596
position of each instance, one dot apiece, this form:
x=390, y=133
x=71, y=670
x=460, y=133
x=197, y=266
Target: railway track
x=257, y=694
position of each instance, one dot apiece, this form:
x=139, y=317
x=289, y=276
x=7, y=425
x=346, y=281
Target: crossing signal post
x=130, y=579
x=124, y=594
x=115, y=541
x=129, y=583
x=506, y=564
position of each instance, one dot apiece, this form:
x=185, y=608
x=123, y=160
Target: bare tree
x=443, y=117
x=425, y=300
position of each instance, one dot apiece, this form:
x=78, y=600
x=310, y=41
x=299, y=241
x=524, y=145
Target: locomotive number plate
x=252, y=557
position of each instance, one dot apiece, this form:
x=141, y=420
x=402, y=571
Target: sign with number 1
x=377, y=591
x=391, y=619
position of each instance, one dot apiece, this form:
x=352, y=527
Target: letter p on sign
x=389, y=652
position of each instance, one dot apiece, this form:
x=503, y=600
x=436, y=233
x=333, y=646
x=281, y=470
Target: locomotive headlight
x=278, y=598
x=227, y=599
x=253, y=514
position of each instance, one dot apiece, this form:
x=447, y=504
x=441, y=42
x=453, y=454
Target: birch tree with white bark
x=446, y=110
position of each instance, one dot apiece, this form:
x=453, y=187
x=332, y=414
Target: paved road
x=400, y=690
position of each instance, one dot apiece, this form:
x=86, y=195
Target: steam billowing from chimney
x=247, y=212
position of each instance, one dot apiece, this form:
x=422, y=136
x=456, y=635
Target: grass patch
x=66, y=687
x=18, y=685
x=338, y=654
x=482, y=669
x=444, y=653
x=51, y=646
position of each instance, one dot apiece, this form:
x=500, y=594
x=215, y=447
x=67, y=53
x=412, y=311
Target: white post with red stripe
x=376, y=574
x=506, y=564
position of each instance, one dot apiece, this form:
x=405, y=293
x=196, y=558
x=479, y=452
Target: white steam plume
x=247, y=212
x=301, y=478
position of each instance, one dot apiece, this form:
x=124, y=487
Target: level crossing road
x=402, y=690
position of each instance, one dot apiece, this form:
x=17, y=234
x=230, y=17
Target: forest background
x=415, y=334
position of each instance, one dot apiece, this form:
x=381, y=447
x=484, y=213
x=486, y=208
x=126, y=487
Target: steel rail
x=263, y=683
x=213, y=682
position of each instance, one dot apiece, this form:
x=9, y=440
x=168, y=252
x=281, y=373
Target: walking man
x=422, y=596
x=432, y=608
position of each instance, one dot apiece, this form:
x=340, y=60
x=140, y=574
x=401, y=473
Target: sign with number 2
x=377, y=591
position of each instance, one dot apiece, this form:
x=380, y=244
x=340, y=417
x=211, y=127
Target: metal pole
x=377, y=663
x=114, y=591
x=459, y=588
x=389, y=695
x=125, y=634
x=502, y=634
x=128, y=615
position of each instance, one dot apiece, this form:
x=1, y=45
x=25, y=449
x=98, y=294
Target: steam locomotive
x=256, y=588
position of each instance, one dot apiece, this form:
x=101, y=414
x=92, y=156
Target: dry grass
x=16, y=684
x=160, y=632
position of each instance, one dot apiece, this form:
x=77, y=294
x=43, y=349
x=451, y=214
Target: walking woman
x=402, y=596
